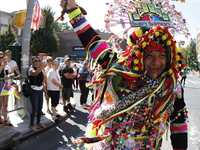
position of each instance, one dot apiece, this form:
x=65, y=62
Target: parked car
x=77, y=64
x=60, y=59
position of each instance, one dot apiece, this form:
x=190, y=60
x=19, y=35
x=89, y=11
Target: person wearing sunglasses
x=15, y=69
x=5, y=74
x=36, y=79
x=54, y=86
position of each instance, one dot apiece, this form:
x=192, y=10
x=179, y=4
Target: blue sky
x=96, y=10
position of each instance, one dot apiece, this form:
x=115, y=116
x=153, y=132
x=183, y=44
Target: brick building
x=71, y=45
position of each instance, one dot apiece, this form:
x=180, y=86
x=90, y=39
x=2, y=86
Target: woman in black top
x=36, y=78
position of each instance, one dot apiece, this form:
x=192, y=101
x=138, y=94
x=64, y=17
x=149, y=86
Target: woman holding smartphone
x=36, y=78
x=5, y=74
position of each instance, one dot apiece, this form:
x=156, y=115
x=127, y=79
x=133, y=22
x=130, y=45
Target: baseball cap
x=67, y=59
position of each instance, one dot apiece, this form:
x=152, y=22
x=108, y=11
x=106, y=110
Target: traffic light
x=19, y=19
x=43, y=21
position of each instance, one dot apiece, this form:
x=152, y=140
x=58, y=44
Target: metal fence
x=15, y=105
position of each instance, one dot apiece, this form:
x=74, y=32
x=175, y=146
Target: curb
x=25, y=136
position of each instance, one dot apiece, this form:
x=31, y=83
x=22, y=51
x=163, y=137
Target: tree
x=45, y=39
x=8, y=37
x=190, y=54
x=61, y=27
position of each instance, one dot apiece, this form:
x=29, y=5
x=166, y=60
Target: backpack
x=26, y=88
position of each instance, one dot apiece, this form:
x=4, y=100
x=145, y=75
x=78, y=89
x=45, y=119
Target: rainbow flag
x=9, y=90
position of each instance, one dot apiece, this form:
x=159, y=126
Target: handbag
x=26, y=88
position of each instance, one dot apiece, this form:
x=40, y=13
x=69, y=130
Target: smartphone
x=5, y=59
x=44, y=59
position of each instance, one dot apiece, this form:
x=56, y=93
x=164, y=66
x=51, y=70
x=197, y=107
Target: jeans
x=36, y=99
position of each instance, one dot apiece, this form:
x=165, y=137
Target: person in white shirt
x=53, y=86
x=5, y=74
x=75, y=83
x=46, y=70
x=14, y=68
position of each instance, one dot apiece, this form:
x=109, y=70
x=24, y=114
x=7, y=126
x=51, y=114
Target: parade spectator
x=5, y=74
x=67, y=80
x=15, y=69
x=13, y=65
x=183, y=79
x=139, y=94
x=75, y=83
x=53, y=86
x=83, y=74
x=46, y=70
x=36, y=78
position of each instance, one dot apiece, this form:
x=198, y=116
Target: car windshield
x=61, y=59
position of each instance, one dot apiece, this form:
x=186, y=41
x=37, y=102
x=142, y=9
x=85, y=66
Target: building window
x=4, y=20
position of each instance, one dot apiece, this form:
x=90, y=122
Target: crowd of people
x=48, y=81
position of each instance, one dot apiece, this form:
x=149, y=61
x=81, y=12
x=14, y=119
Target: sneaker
x=84, y=106
x=55, y=119
x=65, y=109
x=58, y=116
x=87, y=105
x=69, y=106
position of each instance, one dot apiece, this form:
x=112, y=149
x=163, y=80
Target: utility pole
x=26, y=49
x=26, y=38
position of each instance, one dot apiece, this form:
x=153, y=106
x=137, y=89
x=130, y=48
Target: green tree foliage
x=45, y=39
x=61, y=27
x=190, y=54
x=56, y=27
x=8, y=37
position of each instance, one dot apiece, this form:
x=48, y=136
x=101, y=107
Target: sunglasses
x=37, y=60
x=1, y=57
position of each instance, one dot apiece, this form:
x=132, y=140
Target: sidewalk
x=10, y=136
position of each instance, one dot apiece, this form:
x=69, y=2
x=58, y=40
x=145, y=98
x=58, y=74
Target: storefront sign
x=78, y=48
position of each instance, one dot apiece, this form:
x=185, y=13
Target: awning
x=77, y=54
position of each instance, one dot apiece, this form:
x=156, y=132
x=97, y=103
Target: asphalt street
x=58, y=137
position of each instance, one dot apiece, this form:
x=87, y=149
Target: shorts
x=54, y=95
x=67, y=93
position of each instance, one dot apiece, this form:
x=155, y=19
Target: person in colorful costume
x=137, y=94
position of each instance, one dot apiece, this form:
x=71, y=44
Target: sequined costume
x=133, y=108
